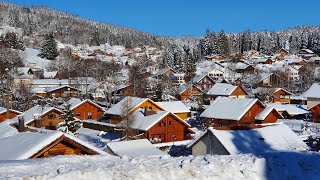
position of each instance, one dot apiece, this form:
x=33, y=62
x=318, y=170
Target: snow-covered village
x=84, y=99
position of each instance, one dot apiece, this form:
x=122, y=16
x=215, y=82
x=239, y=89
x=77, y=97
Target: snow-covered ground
x=30, y=56
x=273, y=166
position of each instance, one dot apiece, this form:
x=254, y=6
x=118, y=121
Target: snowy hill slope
x=273, y=166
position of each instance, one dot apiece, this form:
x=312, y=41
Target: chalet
x=315, y=111
x=159, y=126
x=189, y=91
x=179, y=78
x=216, y=74
x=297, y=62
x=128, y=106
x=177, y=108
x=306, y=53
x=243, y=68
x=264, y=61
x=164, y=72
x=86, y=109
x=314, y=60
x=57, y=91
x=313, y=95
x=134, y=148
x=232, y=112
x=282, y=52
x=41, y=117
x=28, y=145
x=204, y=82
x=226, y=90
x=268, y=80
x=121, y=90
x=289, y=111
x=3, y=114
x=281, y=96
x=276, y=95
x=254, y=141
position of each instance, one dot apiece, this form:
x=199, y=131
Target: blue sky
x=186, y=17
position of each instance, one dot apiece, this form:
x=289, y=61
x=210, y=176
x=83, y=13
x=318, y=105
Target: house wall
x=278, y=97
x=115, y=119
x=205, y=83
x=3, y=116
x=315, y=113
x=190, y=91
x=164, y=131
x=238, y=93
x=49, y=120
x=271, y=118
x=81, y=112
x=183, y=116
x=208, y=144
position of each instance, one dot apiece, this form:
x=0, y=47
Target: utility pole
x=7, y=96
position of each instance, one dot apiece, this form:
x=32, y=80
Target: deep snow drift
x=271, y=166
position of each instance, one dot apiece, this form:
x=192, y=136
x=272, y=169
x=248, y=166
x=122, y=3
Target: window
x=51, y=116
x=150, y=107
x=77, y=114
x=89, y=115
x=170, y=123
x=159, y=125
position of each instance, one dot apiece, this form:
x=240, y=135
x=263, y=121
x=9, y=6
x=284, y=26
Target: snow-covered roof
x=3, y=110
x=229, y=108
x=308, y=51
x=128, y=102
x=263, y=115
x=144, y=123
x=291, y=109
x=270, y=138
x=184, y=87
x=222, y=89
x=49, y=75
x=174, y=106
x=199, y=77
x=135, y=148
x=25, y=145
x=7, y=130
x=313, y=91
x=30, y=113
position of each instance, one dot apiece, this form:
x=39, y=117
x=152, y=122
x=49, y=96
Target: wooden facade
x=272, y=117
x=315, y=111
x=63, y=146
x=49, y=120
x=148, y=104
x=191, y=91
x=271, y=80
x=87, y=110
x=12, y=114
x=282, y=96
x=168, y=129
x=205, y=83
x=239, y=92
x=65, y=92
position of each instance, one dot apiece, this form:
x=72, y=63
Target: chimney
x=37, y=120
x=21, y=127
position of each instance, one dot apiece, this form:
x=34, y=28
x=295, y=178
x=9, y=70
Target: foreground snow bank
x=272, y=166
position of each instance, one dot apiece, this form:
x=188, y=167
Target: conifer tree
x=70, y=124
x=49, y=48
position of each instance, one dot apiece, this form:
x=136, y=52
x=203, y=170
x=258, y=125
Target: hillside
x=71, y=29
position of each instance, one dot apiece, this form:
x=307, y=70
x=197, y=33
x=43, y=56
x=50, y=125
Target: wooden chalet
x=268, y=80
x=160, y=126
x=86, y=109
x=313, y=95
x=204, y=82
x=189, y=91
x=264, y=61
x=122, y=90
x=281, y=96
x=166, y=72
x=41, y=117
x=226, y=90
x=231, y=112
x=243, y=68
x=315, y=111
x=28, y=145
x=130, y=105
x=63, y=91
x=282, y=52
x=3, y=114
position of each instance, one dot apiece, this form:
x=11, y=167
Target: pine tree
x=223, y=44
x=49, y=48
x=70, y=124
